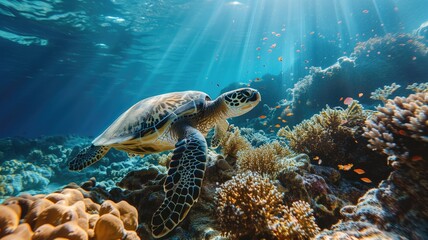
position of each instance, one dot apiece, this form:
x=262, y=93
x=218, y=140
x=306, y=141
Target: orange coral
x=66, y=215
x=233, y=142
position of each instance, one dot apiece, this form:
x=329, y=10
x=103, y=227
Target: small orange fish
x=348, y=100
x=402, y=132
x=416, y=158
x=360, y=94
x=280, y=59
x=277, y=106
x=316, y=158
x=290, y=114
x=366, y=180
x=262, y=117
x=359, y=171
x=277, y=125
x=345, y=167
x=283, y=121
x=340, y=99
x=273, y=45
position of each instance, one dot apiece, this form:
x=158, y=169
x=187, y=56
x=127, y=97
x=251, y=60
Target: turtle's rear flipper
x=87, y=156
x=183, y=183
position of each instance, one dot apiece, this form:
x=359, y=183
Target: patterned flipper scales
x=87, y=156
x=183, y=183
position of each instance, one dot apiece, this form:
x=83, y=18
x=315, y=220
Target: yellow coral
x=233, y=142
x=245, y=203
x=250, y=206
x=296, y=222
x=263, y=160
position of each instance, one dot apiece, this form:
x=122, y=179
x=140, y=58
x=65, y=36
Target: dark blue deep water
x=71, y=67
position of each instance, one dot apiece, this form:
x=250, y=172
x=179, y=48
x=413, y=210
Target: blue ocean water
x=71, y=67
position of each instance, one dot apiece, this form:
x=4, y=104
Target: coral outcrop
x=66, y=214
x=397, y=208
x=334, y=137
x=371, y=65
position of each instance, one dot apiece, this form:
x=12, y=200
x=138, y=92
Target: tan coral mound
x=264, y=160
x=250, y=207
x=66, y=215
x=400, y=129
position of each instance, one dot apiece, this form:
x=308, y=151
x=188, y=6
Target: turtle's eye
x=247, y=93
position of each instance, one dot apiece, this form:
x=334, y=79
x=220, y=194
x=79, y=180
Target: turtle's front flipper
x=183, y=183
x=87, y=156
x=219, y=131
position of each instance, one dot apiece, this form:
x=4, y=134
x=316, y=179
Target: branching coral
x=382, y=94
x=328, y=136
x=296, y=222
x=245, y=204
x=263, y=160
x=233, y=142
x=418, y=87
x=400, y=129
x=249, y=206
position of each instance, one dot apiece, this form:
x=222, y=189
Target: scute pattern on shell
x=141, y=119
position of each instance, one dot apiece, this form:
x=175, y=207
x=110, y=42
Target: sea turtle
x=179, y=121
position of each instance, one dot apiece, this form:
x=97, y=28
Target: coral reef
x=334, y=137
x=250, y=207
x=373, y=64
x=66, y=214
x=397, y=208
x=263, y=160
x=400, y=129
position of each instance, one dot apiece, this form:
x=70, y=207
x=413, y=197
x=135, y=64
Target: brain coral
x=250, y=207
x=68, y=215
x=400, y=129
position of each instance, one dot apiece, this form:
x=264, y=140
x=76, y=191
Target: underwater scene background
x=337, y=148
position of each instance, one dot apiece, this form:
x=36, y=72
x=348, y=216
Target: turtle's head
x=240, y=101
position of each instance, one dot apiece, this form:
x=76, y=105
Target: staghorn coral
x=400, y=129
x=263, y=160
x=295, y=222
x=250, y=207
x=382, y=94
x=329, y=135
x=233, y=142
x=66, y=214
x=418, y=87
